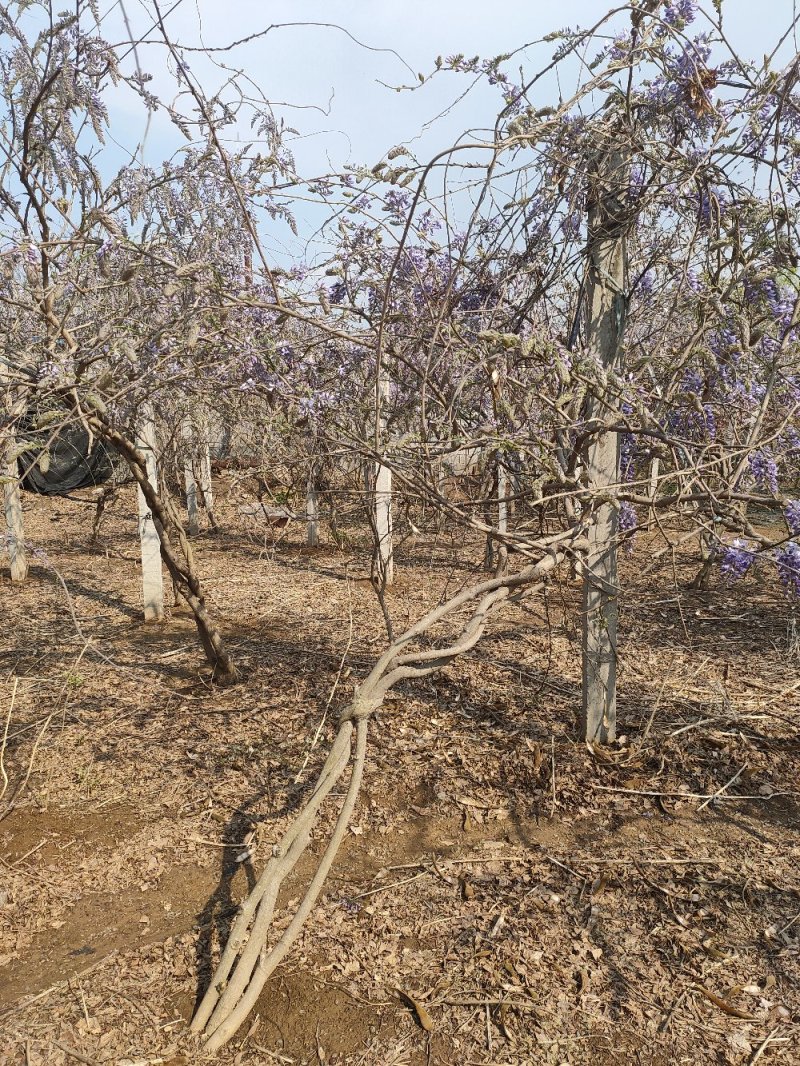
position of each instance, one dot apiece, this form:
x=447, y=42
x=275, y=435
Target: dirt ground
x=544, y=903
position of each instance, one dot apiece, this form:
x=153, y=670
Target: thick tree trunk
x=608, y=222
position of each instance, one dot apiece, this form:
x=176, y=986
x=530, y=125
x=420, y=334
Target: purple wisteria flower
x=764, y=470
x=681, y=11
x=628, y=524
x=337, y=292
x=788, y=560
x=737, y=558
x=692, y=280
x=646, y=283
x=8, y=541
x=792, y=515
x=628, y=519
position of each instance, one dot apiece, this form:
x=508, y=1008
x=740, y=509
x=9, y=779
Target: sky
x=335, y=82
x=320, y=68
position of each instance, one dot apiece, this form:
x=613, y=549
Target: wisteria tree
x=597, y=301
x=595, y=336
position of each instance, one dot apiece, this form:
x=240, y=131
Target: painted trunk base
x=383, y=522
x=12, y=499
x=152, y=577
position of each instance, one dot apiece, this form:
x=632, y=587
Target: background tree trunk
x=383, y=497
x=383, y=522
x=189, y=479
x=204, y=485
x=152, y=577
x=183, y=572
x=12, y=498
x=15, y=404
x=312, y=511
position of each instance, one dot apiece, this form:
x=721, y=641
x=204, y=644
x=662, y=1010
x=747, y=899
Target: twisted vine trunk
x=246, y=962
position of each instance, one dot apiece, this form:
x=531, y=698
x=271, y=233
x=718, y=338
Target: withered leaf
x=423, y=1016
x=724, y=1006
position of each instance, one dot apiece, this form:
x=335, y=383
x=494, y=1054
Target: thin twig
x=762, y=1047
x=553, y=775
x=3, y=773
x=18, y=1008
x=332, y=692
x=724, y=788
x=75, y=1054
x=789, y=924
x=688, y=795
x=388, y=888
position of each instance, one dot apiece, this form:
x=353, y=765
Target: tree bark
x=609, y=218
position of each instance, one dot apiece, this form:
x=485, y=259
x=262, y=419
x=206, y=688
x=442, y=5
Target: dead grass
x=541, y=902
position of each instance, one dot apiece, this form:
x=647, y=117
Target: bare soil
x=541, y=902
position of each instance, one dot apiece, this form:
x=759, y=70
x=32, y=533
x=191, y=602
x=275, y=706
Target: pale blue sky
x=318, y=67
x=309, y=68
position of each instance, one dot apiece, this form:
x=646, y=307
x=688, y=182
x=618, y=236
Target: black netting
x=71, y=464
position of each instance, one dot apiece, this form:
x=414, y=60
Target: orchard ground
x=506, y=895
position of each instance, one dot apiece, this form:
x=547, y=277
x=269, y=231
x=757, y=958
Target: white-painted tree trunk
x=312, y=513
x=189, y=479
x=191, y=498
x=383, y=494
x=502, y=501
x=383, y=521
x=608, y=222
x=655, y=465
x=152, y=578
x=205, y=481
x=14, y=401
x=12, y=499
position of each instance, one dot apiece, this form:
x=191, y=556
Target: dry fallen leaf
x=727, y=1008
x=423, y=1017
